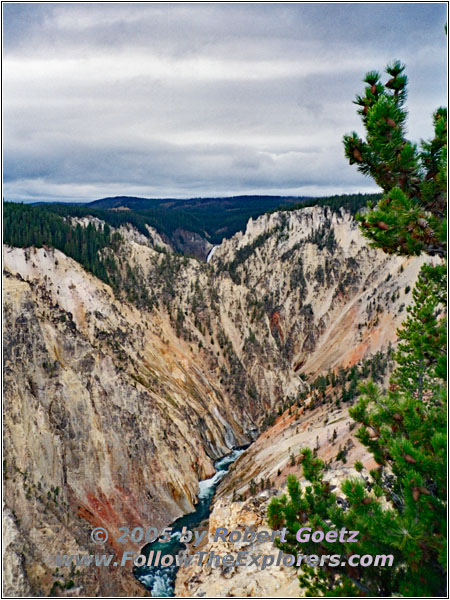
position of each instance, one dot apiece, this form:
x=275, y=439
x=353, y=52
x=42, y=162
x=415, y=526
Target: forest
x=211, y=218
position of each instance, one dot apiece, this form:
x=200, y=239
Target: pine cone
x=415, y=494
x=409, y=459
x=357, y=155
x=382, y=225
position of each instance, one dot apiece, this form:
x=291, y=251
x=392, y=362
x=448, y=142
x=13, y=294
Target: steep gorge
x=113, y=413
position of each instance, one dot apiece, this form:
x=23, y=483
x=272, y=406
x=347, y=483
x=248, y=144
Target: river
x=160, y=581
x=210, y=253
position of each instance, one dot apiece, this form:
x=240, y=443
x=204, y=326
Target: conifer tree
x=400, y=509
x=421, y=356
x=410, y=218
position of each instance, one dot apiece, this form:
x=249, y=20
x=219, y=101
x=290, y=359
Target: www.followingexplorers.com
x=240, y=558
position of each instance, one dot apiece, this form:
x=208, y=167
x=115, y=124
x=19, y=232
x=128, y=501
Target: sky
x=198, y=99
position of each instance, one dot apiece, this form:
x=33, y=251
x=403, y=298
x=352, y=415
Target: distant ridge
x=190, y=225
x=135, y=202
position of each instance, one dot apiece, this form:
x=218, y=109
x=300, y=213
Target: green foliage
x=213, y=218
x=359, y=466
x=351, y=202
x=25, y=226
x=218, y=218
x=421, y=355
x=113, y=218
x=95, y=248
x=410, y=218
x=401, y=509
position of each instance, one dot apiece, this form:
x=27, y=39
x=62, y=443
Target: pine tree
x=421, y=355
x=400, y=510
x=410, y=218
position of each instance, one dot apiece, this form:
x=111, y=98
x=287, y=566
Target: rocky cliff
x=109, y=418
x=114, y=409
x=241, y=500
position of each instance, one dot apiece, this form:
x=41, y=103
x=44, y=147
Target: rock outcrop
x=109, y=420
x=113, y=413
x=237, y=581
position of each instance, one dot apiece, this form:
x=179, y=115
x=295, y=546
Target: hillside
x=190, y=226
x=135, y=396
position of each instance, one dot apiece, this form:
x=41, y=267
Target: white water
x=207, y=486
x=161, y=580
x=210, y=253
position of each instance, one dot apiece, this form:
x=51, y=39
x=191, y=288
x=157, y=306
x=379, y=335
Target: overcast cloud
x=202, y=99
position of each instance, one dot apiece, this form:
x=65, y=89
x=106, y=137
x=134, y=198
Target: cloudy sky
x=201, y=99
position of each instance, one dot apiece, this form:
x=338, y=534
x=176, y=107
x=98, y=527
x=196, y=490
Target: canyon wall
x=113, y=413
x=109, y=419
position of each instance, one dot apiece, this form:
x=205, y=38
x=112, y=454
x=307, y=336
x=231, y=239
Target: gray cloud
x=196, y=99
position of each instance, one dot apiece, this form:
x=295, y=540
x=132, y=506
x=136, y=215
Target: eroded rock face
x=328, y=298
x=237, y=581
x=108, y=420
x=298, y=292
x=270, y=458
x=191, y=243
x=13, y=568
x=113, y=414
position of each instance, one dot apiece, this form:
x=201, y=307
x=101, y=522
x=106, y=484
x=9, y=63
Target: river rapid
x=160, y=581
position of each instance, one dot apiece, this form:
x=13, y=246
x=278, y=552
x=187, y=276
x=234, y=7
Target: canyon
x=113, y=411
